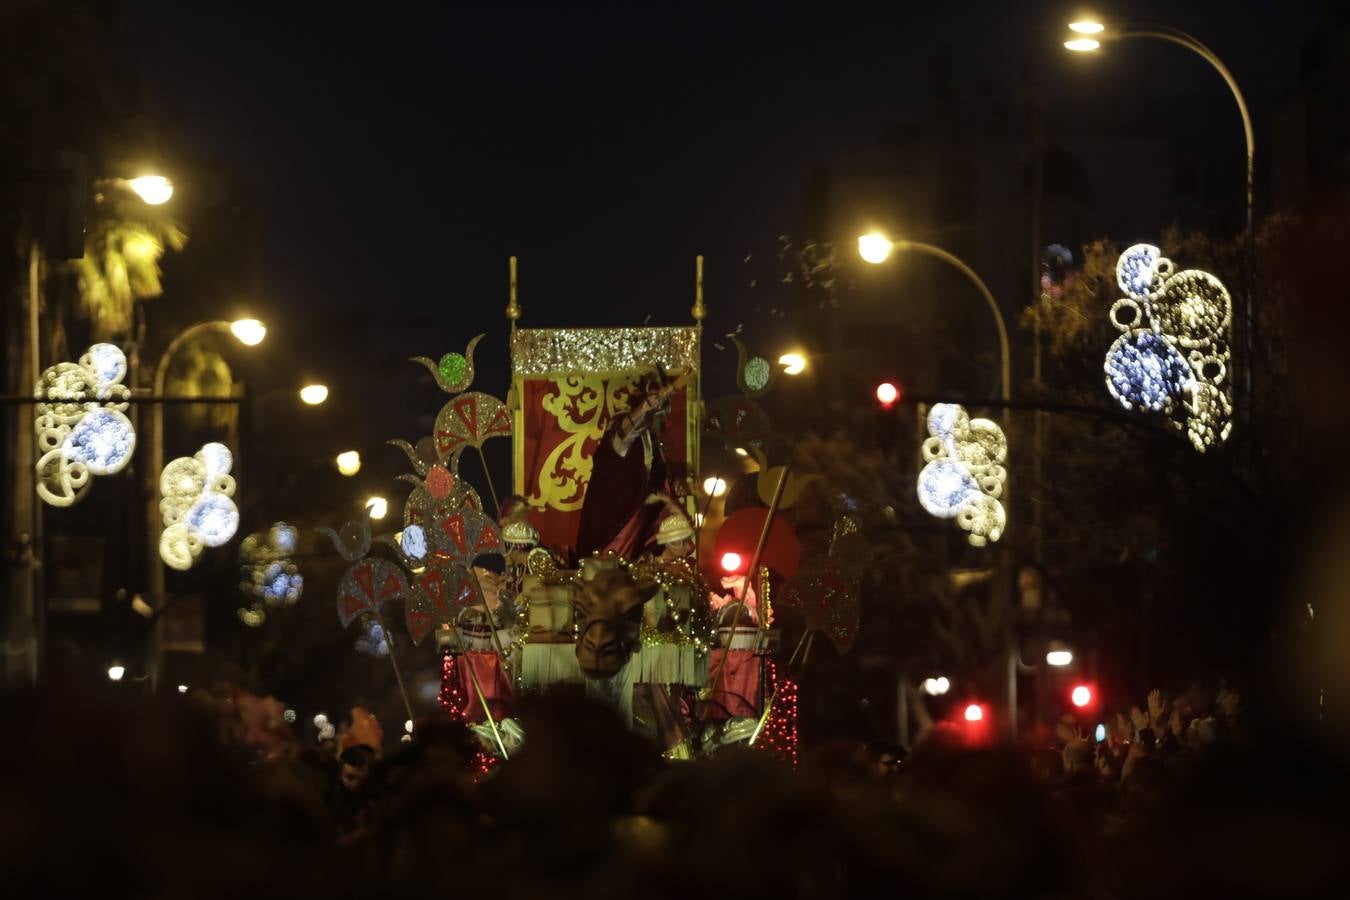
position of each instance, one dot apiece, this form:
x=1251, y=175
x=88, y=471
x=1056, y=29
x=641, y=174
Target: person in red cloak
x=627, y=468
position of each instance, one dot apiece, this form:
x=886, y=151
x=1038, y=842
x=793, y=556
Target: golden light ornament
x=196, y=505
x=349, y=462
x=1173, y=353
x=792, y=363
x=964, y=473
x=249, y=331
x=378, y=507
x=875, y=247
x=152, y=189
x=81, y=426
x=314, y=394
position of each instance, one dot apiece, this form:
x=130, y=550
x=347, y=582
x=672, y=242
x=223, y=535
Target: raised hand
x=1157, y=709
x=1139, y=718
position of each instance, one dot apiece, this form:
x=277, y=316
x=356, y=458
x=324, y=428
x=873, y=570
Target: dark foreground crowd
x=113, y=797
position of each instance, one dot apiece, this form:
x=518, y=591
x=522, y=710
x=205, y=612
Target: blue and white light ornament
x=196, y=505
x=82, y=429
x=270, y=577
x=1173, y=354
x=964, y=475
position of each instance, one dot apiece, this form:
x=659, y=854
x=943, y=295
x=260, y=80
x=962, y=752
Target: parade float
x=606, y=577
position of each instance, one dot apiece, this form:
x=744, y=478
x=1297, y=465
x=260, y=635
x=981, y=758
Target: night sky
x=400, y=153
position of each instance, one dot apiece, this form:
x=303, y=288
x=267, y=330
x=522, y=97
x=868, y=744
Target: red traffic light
x=1081, y=696
x=887, y=394
x=731, y=562
x=974, y=712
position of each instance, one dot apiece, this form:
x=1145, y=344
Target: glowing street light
x=875, y=247
x=1087, y=26
x=792, y=363
x=152, y=189
x=1082, y=45
x=314, y=394
x=714, y=486
x=936, y=687
x=249, y=331
x=116, y=671
x=349, y=462
x=1059, y=654
x=182, y=689
x=378, y=507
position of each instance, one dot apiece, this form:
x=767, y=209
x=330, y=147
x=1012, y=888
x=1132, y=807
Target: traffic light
x=1081, y=696
x=888, y=394
x=974, y=712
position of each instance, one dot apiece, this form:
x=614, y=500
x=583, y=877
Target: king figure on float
x=627, y=468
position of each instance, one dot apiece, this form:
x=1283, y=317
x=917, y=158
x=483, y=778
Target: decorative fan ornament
x=370, y=582
x=755, y=375
x=438, y=594
x=827, y=588
x=469, y=420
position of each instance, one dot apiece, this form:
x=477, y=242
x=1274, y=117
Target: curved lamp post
x=249, y=332
x=876, y=248
x=1089, y=35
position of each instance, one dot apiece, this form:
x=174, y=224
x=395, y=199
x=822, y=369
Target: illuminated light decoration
x=1173, y=353
x=437, y=596
x=288, y=716
x=82, y=429
x=372, y=641
x=731, y=562
x=964, y=473
x=454, y=702
x=714, y=486
x=779, y=736
x=249, y=331
x=378, y=507
x=269, y=576
x=196, y=505
x=413, y=540
x=757, y=372
x=974, y=712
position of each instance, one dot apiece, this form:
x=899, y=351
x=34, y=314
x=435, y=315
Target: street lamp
x=152, y=189
x=1182, y=39
x=249, y=332
x=314, y=394
x=349, y=462
x=792, y=363
x=1058, y=654
x=876, y=248
x=378, y=507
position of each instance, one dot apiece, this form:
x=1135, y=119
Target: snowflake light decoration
x=1173, y=352
x=196, y=505
x=269, y=575
x=964, y=474
x=82, y=429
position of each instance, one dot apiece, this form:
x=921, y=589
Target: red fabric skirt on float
x=496, y=684
x=737, y=693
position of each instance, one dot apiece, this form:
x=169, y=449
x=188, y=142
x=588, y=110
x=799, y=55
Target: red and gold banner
x=568, y=384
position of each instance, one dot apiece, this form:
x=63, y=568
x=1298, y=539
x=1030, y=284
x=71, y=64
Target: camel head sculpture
x=609, y=614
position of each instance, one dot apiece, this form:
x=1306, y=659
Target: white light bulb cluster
x=82, y=429
x=196, y=505
x=1173, y=353
x=964, y=474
